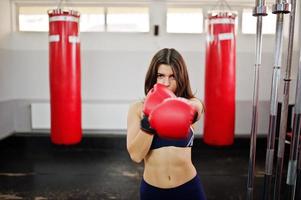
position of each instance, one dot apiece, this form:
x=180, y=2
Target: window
x=36, y=18
x=184, y=20
x=127, y=19
x=249, y=23
x=92, y=19
x=33, y=18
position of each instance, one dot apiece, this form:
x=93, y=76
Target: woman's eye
x=172, y=77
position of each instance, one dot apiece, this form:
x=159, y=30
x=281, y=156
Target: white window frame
x=15, y=4
x=236, y=6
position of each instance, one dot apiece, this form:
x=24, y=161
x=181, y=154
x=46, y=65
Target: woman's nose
x=165, y=81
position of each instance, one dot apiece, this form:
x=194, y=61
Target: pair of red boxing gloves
x=167, y=115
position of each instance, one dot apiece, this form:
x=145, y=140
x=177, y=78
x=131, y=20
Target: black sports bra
x=159, y=142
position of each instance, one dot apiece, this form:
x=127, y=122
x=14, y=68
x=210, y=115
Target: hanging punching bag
x=65, y=77
x=219, y=118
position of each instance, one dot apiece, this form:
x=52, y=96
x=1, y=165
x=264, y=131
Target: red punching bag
x=65, y=77
x=219, y=118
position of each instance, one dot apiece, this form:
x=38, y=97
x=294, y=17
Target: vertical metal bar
x=273, y=108
x=259, y=11
x=284, y=110
x=295, y=143
x=279, y=8
x=298, y=184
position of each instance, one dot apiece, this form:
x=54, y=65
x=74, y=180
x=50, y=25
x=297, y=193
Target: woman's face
x=166, y=77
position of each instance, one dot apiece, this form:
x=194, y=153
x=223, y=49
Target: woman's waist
x=168, y=175
x=169, y=155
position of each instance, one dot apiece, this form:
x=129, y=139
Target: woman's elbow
x=134, y=156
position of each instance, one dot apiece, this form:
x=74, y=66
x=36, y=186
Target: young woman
x=168, y=169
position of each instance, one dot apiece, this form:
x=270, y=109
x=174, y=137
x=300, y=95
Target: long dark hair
x=174, y=59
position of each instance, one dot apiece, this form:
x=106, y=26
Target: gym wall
x=113, y=71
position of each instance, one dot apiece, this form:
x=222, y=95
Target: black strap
x=145, y=126
x=195, y=117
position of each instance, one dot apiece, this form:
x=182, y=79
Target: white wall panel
x=94, y=116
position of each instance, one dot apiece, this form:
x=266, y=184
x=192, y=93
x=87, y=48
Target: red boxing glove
x=156, y=96
x=172, y=118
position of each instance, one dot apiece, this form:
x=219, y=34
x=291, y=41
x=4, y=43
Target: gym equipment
x=279, y=8
x=284, y=109
x=65, y=77
x=219, y=118
x=259, y=11
x=291, y=179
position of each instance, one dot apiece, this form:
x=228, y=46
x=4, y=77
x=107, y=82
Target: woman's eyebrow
x=164, y=74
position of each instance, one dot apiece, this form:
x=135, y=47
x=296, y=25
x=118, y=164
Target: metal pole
x=298, y=184
x=279, y=8
x=284, y=109
x=295, y=143
x=259, y=11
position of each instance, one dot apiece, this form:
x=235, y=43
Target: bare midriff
x=168, y=167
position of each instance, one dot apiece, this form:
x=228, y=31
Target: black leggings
x=191, y=190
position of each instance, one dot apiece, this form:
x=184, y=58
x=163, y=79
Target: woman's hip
x=190, y=190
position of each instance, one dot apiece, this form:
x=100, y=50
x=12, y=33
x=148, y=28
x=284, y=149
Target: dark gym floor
x=100, y=168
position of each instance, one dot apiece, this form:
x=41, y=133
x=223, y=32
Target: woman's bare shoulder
x=136, y=106
x=195, y=99
x=198, y=103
